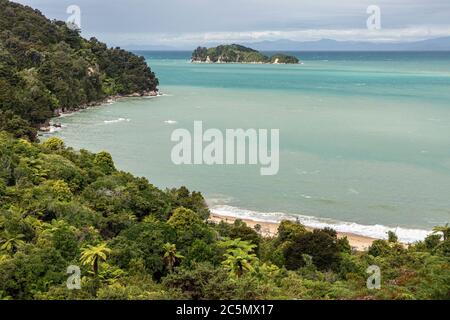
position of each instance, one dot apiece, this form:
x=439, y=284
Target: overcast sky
x=187, y=23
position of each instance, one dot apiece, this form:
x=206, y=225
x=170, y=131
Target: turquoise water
x=364, y=137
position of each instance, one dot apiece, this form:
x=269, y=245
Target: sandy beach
x=270, y=229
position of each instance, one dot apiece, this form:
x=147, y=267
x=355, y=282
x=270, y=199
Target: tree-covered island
x=235, y=53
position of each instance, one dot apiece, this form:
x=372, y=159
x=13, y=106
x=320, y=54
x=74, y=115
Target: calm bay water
x=364, y=137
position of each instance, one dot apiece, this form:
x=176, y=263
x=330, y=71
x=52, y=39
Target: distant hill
x=235, y=53
x=438, y=44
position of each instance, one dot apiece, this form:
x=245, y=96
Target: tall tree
x=239, y=257
x=92, y=255
x=445, y=230
x=171, y=256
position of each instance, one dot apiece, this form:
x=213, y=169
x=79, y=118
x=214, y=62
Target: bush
x=319, y=244
x=239, y=230
x=53, y=144
x=104, y=161
x=379, y=248
x=189, y=227
x=288, y=230
x=59, y=168
x=2, y=187
x=392, y=237
x=191, y=281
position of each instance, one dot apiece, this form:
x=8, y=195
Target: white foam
x=116, y=120
x=171, y=122
x=66, y=114
x=374, y=231
x=55, y=129
x=52, y=129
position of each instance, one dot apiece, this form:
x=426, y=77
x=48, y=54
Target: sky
x=189, y=23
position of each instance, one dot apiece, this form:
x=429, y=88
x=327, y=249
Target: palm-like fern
x=445, y=230
x=10, y=243
x=92, y=255
x=171, y=256
x=239, y=257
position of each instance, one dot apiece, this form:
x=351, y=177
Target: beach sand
x=270, y=229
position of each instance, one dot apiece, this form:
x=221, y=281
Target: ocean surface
x=364, y=137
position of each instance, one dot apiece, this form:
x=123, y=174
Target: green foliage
x=379, y=248
x=93, y=255
x=283, y=58
x=60, y=207
x=289, y=230
x=344, y=245
x=191, y=283
x=319, y=244
x=392, y=237
x=10, y=243
x=182, y=197
x=239, y=257
x=119, y=192
x=30, y=271
x=17, y=126
x=239, y=230
x=54, y=144
x=142, y=241
x=444, y=230
x=189, y=227
x=105, y=162
x=144, y=290
x=61, y=191
x=57, y=167
x=2, y=187
x=171, y=256
x=200, y=251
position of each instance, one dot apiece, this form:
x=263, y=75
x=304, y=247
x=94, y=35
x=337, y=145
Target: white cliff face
x=208, y=59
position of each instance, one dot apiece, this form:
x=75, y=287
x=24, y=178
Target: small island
x=235, y=53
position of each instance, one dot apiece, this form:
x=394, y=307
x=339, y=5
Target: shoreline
x=358, y=239
x=270, y=229
x=50, y=127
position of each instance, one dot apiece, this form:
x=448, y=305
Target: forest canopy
x=60, y=207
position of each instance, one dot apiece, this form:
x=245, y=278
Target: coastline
x=49, y=126
x=360, y=236
x=270, y=229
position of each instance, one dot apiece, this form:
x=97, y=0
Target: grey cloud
x=159, y=20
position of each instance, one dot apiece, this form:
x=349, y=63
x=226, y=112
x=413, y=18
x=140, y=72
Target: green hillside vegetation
x=284, y=59
x=46, y=66
x=62, y=207
x=235, y=53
